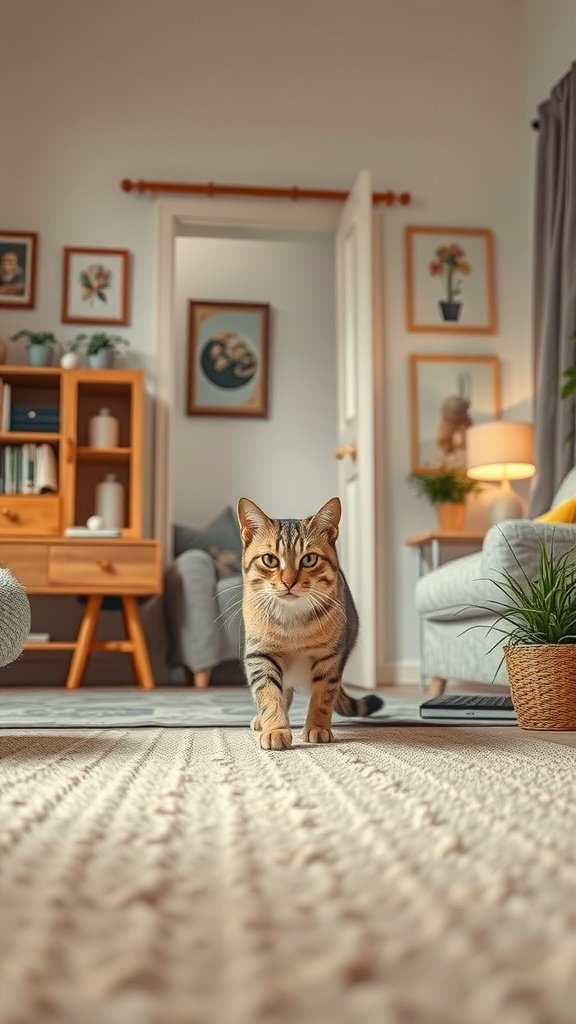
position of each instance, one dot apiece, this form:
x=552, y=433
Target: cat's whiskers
x=229, y=616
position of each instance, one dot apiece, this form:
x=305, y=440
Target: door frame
x=205, y=217
x=274, y=220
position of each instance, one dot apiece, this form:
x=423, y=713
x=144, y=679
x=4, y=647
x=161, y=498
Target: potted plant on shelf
x=537, y=617
x=445, y=487
x=39, y=345
x=101, y=347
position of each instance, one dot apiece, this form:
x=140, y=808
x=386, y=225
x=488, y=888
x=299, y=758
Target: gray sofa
x=203, y=618
x=446, y=598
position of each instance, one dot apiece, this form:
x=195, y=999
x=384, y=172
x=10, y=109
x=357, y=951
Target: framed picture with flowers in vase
x=95, y=286
x=450, y=280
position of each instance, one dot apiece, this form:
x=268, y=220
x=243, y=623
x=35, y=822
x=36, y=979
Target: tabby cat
x=300, y=622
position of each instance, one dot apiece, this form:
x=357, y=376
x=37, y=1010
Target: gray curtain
x=554, y=288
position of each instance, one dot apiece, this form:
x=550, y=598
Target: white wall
x=427, y=93
x=285, y=462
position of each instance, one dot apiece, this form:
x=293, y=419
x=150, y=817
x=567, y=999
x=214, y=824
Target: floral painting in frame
x=448, y=394
x=450, y=280
x=228, y=358
x=18, y=269
x=95, y=285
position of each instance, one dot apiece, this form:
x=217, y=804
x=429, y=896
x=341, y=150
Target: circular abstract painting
x=228, y=360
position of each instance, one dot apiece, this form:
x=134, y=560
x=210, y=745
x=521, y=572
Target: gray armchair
x=203, y=617
x=445, y=598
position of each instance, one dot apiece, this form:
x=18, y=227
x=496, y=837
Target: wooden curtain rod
x=264, y=192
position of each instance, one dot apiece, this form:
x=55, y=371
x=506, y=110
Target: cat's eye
x=270, y=561
x=308, y=560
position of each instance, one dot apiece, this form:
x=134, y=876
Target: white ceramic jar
x=103, y=430
x=110, y=501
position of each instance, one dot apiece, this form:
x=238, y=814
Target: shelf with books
x=27, y=436
x=49, y=409
x=28, y=468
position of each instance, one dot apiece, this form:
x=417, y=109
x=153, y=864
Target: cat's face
x=290, y=564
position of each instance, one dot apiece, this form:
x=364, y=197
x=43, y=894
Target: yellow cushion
x=564, y=513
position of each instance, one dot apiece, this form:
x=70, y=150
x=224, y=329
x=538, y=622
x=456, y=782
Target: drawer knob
x=10, y=515
x=106, y=565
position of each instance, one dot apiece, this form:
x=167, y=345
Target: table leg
x=140, y=659
x=84, y=642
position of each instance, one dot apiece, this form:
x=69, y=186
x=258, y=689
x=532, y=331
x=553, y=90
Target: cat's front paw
x=276, y=739
x=255, y=724
x=316, y=735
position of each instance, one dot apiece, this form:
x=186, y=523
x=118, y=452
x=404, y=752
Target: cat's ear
x=327, y=518
x=251, y=518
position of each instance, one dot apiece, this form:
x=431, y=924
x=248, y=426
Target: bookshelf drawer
x=109, y=568
x=26, y=515
x=27, y=562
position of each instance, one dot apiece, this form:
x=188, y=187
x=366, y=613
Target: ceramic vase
x=39, y=355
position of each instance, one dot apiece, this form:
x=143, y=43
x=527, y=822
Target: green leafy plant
x=36, y=338
x=443, y=484
x=540, y=609
x=93, y=343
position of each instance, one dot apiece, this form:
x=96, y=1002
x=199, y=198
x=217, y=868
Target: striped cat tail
x=357, y=708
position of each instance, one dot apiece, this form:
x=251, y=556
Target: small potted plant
x=445, y=487
x=451, y=265
x=101, y=347
x=39, y=345
x=536, y=617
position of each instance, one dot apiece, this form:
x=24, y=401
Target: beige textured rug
x=184, y=877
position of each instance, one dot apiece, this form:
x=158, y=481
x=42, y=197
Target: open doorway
x=284, y=462
x=187, y=230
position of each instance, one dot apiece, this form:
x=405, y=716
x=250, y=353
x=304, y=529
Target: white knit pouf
x=14, y=617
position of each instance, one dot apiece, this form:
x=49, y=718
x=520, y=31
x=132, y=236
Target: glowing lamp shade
x=501, y=451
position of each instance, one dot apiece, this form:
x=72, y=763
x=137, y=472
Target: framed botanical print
x=95, y=285
x=228, y=358
x=450, y=280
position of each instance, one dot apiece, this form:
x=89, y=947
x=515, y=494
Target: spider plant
x=538, y=609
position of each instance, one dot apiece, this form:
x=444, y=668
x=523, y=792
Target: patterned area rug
x=182, y=876
x=89, y=709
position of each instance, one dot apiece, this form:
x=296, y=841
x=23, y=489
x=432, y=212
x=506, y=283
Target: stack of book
x=28, y=469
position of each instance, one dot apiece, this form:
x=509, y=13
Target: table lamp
x=501, y=451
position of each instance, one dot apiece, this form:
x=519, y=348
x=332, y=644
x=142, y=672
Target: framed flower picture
x=450, y=280
x=18, y=269
x=228, y=359
x=95, y=286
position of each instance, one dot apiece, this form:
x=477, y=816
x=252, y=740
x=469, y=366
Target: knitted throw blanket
x=412, y=876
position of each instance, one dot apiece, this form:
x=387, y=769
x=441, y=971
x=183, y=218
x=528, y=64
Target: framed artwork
x=228, y=359
x=95, y=286
x=18, y=269
x=447, y=395
x=450, y=280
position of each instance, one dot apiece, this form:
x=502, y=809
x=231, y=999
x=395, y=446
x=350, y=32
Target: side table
x=430, y=544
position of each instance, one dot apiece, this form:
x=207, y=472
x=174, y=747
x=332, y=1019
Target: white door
x=358, y=381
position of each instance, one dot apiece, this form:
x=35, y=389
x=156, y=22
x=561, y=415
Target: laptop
x=481, y=707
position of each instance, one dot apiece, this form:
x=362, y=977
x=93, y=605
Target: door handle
x=346, y=449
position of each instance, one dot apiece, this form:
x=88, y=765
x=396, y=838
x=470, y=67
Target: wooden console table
x=95, y=569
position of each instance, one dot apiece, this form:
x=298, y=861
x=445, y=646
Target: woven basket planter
x=542, y=680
